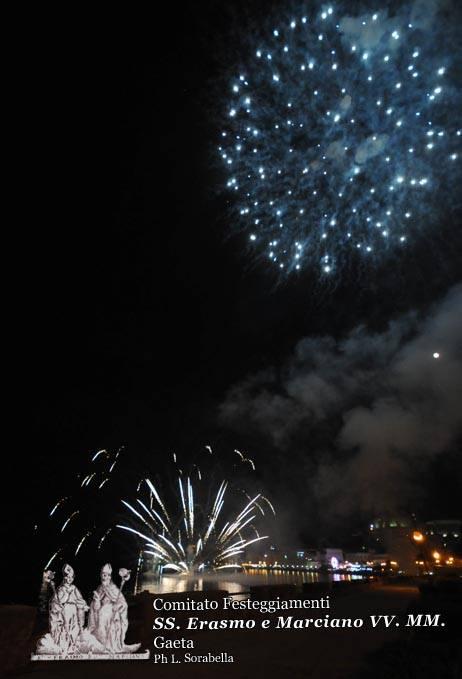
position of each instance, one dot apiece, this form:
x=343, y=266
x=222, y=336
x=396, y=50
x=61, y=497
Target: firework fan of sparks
x=341, y=134
x=194, y=537
x=188, y=538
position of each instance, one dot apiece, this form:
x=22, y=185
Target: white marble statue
x=108, y=621
x=66, y=616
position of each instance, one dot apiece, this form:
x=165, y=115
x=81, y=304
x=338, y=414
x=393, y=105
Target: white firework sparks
x=342, y=135
x=187, y=544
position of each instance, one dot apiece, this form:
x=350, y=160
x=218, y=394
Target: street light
x=419, y=538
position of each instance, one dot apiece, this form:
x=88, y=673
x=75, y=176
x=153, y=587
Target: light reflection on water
x=234, y=583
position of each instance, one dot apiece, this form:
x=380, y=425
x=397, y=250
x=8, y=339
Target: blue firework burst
x=341, y=134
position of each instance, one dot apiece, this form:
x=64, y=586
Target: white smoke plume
x=386, y=403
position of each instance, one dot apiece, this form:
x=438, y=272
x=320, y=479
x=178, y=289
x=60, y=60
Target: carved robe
x=108, y=620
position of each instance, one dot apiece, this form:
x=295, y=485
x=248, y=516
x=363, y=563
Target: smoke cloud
x=367, y=413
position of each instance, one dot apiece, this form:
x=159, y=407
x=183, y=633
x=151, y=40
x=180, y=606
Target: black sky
x=137, y=313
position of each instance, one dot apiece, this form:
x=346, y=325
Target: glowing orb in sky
x=341, y=134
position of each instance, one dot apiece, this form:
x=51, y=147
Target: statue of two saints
x=107, y=618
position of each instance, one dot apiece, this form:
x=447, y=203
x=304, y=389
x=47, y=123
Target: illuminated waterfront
x=234, y=583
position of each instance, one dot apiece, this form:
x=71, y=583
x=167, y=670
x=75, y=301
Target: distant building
x=367, y=558
x=297, y=557
x=446, y=528
x=445, y=534
x=393, y=536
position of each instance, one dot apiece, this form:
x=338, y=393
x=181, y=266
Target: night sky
x=138, y=314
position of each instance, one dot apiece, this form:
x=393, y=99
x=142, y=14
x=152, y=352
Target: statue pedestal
x=92, y=656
